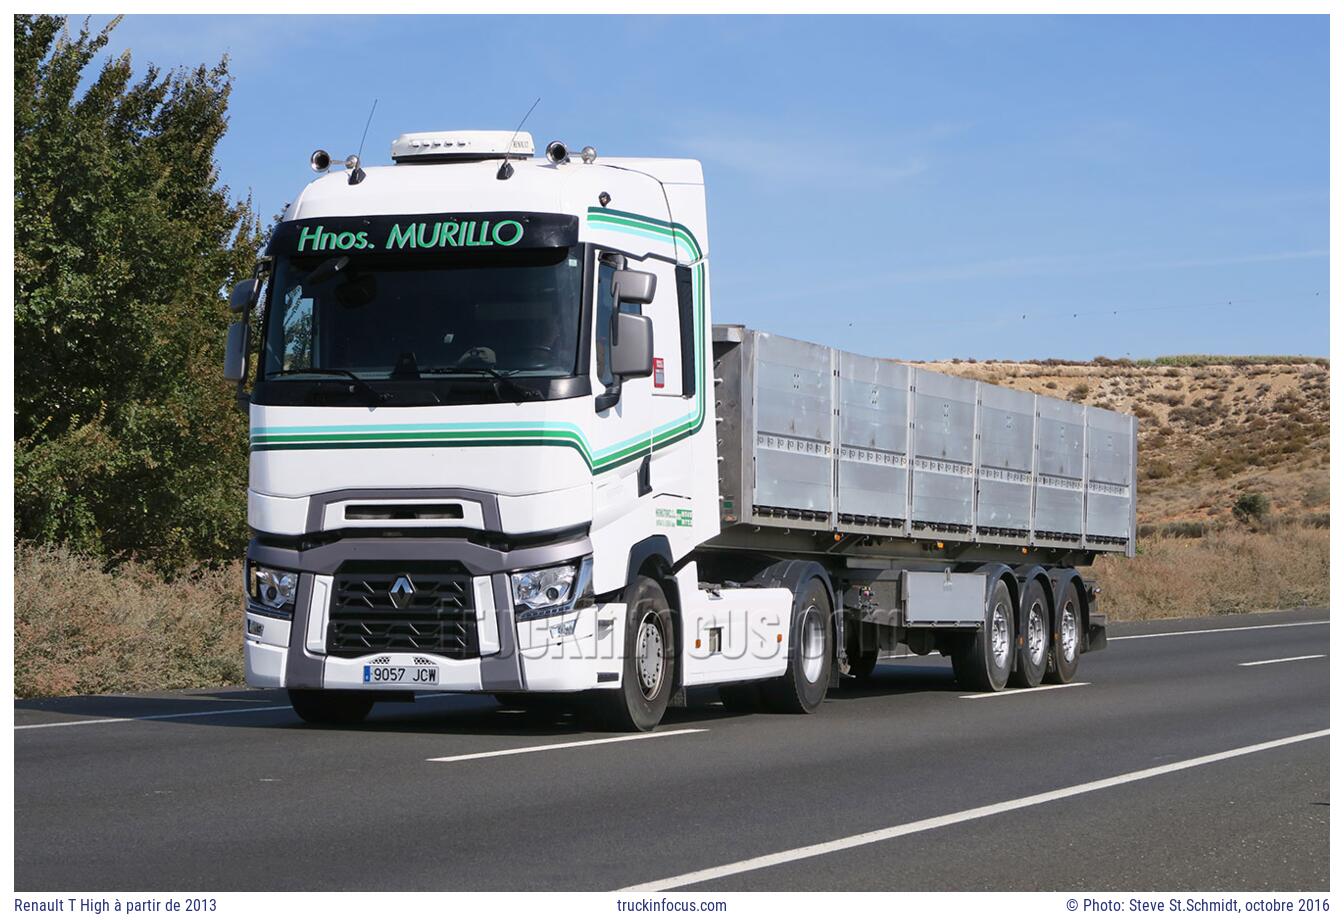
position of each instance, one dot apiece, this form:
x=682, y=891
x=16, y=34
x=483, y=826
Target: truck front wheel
x=331, y=707
x=647, y=670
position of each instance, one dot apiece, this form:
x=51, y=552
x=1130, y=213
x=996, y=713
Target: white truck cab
x=488, y=444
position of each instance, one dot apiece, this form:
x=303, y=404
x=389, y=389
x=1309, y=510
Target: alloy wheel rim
x=649, y=655
x=998, y=635
x=1068, y=632
x=814, y=645
x=1036, y=633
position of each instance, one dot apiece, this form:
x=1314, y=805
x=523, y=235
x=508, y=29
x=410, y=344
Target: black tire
x=862, y=665
x=649, y=662
x=1066, y=640
x=741, y=697
x=862, y=651
x=983, y=661
x=331, y=707
x=1034, y=650
x=802, y=688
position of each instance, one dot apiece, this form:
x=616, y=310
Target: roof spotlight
x=320, y=160
x=557, y=152
x=588, y=154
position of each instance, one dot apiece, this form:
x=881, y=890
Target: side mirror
x=235, y=353
x=244, y=296
x=632, y=344
x=633, y=287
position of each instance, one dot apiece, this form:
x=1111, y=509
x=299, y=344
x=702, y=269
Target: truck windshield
x=456, y=319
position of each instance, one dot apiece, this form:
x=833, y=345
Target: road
x=1137, y=778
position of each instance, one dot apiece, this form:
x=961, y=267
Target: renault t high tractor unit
x=499, y=446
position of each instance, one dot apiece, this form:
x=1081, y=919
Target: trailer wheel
x=802, y=688
x=1031, y=655
x=1067, y=643
x=331, y=707
x=983, y=661
x=647, y=671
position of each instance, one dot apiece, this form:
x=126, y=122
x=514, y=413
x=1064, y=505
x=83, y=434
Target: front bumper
x=575, y=651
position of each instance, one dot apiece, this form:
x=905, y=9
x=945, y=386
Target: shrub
x=1080, y=391
x=80, y=628
x=1250, y=506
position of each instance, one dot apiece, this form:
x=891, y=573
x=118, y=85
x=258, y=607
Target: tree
x=128, y=442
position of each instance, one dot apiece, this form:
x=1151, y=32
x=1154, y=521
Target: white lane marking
x=998, y=693
x=1251, y=664
x=971, y=814
x=567, y=744
x=1200, y=632
x=181, y=715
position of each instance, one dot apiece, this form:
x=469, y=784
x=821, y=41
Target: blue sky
x=905, y=186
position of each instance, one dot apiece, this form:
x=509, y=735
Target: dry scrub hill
x=1210, y=431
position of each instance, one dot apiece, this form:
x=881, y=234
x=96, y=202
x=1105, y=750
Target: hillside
x=1214, y=433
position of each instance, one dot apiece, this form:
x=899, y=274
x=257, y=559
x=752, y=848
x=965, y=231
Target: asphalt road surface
x=1191, y=754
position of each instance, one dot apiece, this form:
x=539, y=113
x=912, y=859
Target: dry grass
x=1230, y=571
x=79, y=629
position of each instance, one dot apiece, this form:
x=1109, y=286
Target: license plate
x=390, y=674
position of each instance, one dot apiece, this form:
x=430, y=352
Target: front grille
x=411, y=607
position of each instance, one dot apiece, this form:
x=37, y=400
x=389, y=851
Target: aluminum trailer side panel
x=873, y=437
x=823, y=440
x=1007, y=452
x=942, y=489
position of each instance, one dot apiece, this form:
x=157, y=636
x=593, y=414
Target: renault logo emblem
x=401, y=592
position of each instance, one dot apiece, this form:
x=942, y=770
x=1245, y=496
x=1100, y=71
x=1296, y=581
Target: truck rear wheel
x=1029, y=667
x=1067, y=642
x=331, y=707
x=802, y=688
x=647, y=669
x=983, y=661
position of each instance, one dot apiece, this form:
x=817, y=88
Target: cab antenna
x=506, y=168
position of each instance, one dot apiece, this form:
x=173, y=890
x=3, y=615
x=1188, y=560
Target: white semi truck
x=499, y=446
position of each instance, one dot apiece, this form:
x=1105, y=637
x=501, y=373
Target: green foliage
x=1228, y=360
x=127, y=441
x=1250, y=506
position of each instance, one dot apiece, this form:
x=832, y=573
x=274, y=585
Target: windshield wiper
x=361, y=384
x=518, y=389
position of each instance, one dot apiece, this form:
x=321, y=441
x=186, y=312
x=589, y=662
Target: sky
x=916, y=187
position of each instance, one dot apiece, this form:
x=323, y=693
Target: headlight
x=547, y=592
x=272, y=588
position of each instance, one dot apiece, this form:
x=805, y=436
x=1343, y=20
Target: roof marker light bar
x=462, y=145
